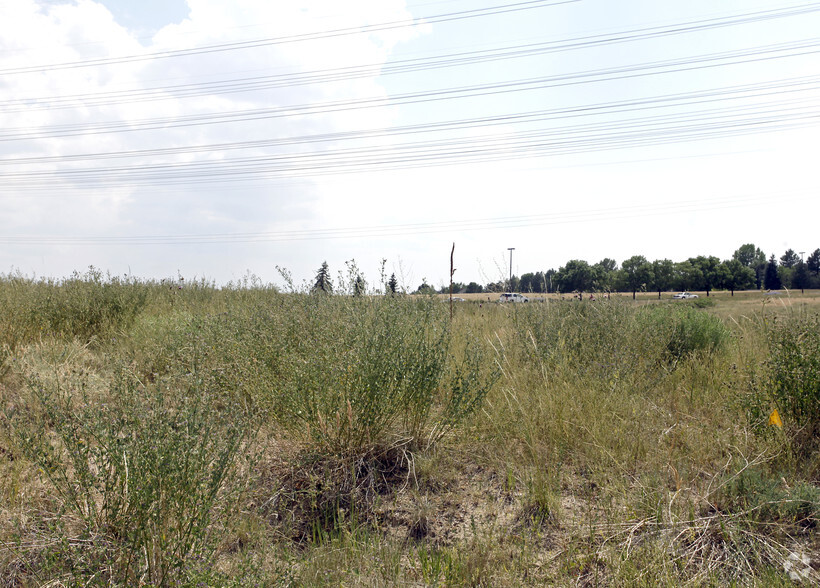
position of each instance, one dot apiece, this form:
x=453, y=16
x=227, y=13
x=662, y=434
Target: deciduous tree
x=637, y=273
x=576, y=275
x=663, y=272
x=711, y=271
x=737, y=276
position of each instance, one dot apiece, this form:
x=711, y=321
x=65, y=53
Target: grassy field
x=160, y=436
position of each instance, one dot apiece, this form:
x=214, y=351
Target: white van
x=513, y=297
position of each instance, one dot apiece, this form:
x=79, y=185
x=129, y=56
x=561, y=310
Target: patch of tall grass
x=136, y=474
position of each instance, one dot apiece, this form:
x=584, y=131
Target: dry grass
x=573, y=473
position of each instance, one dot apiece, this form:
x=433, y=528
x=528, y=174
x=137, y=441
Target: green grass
x=160, y=436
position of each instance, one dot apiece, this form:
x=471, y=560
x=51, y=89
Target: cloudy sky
x=213, y=138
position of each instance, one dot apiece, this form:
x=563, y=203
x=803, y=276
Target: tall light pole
x=511, y=249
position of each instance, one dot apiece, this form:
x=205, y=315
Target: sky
x=218, y=140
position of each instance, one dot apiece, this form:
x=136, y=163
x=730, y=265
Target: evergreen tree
x=359, y=286
x=322, y=284
x=392, y=285
x=813, y=262
x=425, y=288
x=771, y=280
x=800, y=277
x=789, y=259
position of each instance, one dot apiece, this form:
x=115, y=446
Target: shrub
x=615, y=342
x=793, y=382
x=140, y=470
x=597, y=339
x=766, y=498
x=84, y=306
x=684, y=329
x=352, y=372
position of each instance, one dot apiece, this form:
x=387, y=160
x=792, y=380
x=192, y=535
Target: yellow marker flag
x=774, y=419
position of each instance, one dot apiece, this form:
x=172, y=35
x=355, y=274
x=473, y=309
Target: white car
x=683, y=295
x=513, y=297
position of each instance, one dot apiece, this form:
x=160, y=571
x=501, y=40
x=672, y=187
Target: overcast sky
x=213, y=138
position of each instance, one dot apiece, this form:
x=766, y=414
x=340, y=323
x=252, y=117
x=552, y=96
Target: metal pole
x=511, y=249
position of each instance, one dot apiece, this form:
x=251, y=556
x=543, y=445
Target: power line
x=538, y=143
x=744, y=56
x=259, y=83
x=365, y=29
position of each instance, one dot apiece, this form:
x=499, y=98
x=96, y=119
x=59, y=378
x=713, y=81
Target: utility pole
x=510, y=249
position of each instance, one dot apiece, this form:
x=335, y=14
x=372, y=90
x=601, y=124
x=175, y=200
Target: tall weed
x=353, y=372
x=141, y=470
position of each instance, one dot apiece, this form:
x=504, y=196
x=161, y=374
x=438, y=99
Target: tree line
x=747, y=269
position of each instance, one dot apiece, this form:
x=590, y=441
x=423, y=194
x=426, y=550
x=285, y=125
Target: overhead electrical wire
x=259, y=83
x=650, y=120
x=721, y=122
x=365, y=29
x=739, y=92
x=744, y=56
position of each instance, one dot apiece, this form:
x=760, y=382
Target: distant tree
x=540, y=282
x=711, y=272
x=513, y=284
x=771, y=280
x=749, y=255
x=687, y=276
x=576, y=275
x=392, y=285
x=606, y=274
x=737, y=276
x=549, y=276
x=813, y=262
x=532, y=282
x=789, y=259
x=359, y=286
x=752, y=257
x=637, y=273
x=663, y=272
x=425, y=289
x=786, y=275
x=474, y=288
x=458, y=288
x=608, y=264
x=800, y=277
x=322, y=283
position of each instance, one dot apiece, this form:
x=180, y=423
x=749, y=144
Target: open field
x=161, y=436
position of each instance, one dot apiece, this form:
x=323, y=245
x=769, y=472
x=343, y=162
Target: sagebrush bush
x=684, y=329
x=85, y=306
x=765, y=497
x=615, y=343
x=141, y=470
x=352, y=372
